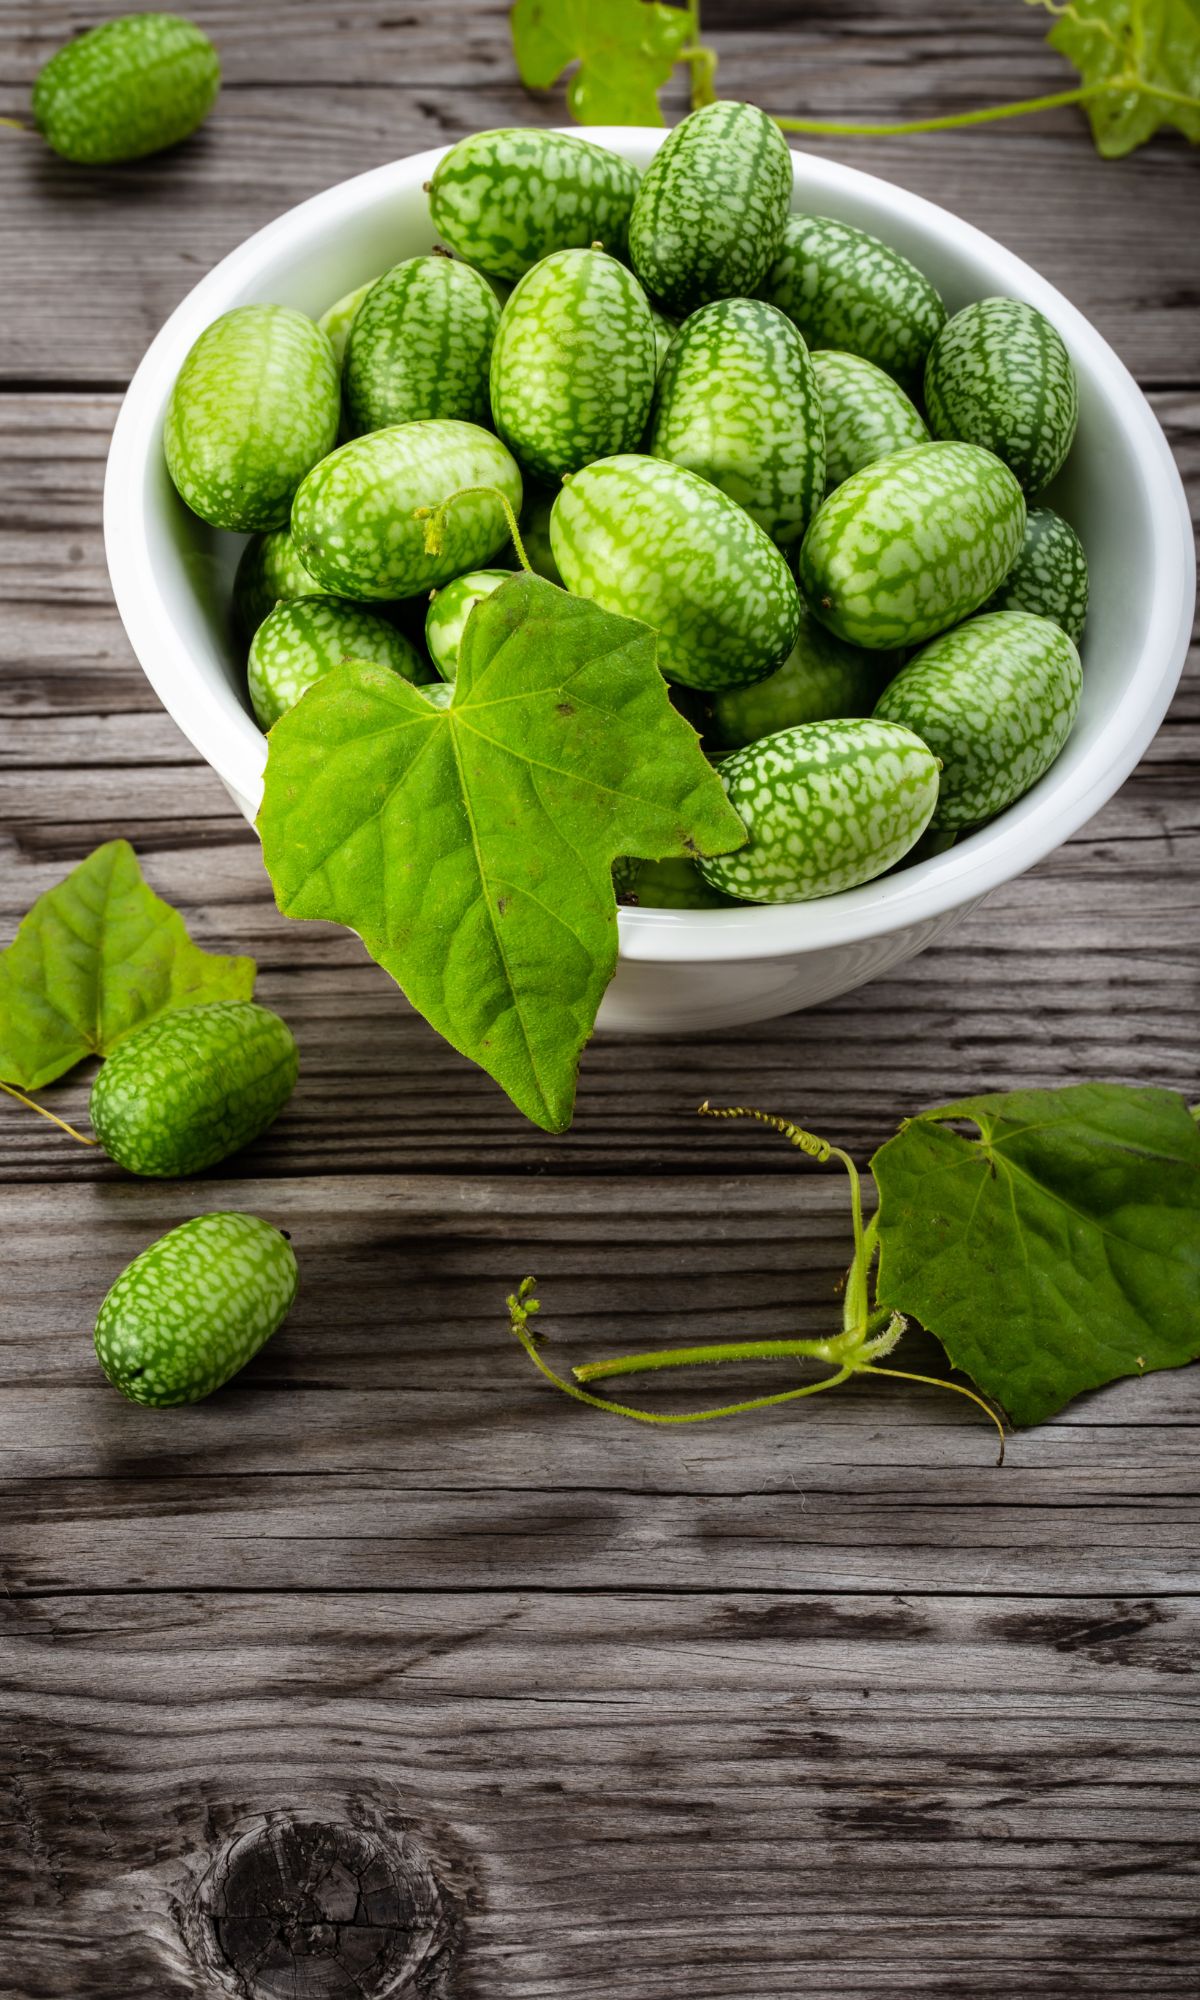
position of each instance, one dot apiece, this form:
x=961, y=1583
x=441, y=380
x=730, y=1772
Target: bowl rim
x=1032, y=828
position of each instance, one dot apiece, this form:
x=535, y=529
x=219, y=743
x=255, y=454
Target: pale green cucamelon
x=827, y=805
x=125, y=89
x=336, y=321
x=574, y=363
x=449, y=609
x=999, y=375
x=737, y=402
x=253, y=409
x=506, y=199
x=911, y=544
x=1050, y=575
x=300, y=641
x=653, y=541
x=822, y=679
x=710, y=211
x=269, y=573
x=867, y=414
x=194, y=1307
x=420, y=345
x=846, y=289
x=995, y=700
x=354, y=518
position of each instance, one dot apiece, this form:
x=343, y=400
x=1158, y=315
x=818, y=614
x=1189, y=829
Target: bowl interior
x=172, y=575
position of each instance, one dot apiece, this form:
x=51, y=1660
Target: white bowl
x=699, y=969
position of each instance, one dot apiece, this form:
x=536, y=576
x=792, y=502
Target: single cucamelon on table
x=449, y=609
x=846, y=289
x=653, y=541
x=354, y=518
x=574, y=363
x=995, y=701
x=193, y=1086
x=710, y=211
x=998, y=375
x=195, y=1307
x=827, y=805
x=1050, y=575
x=420, y=345
x=301, y=641
x=737, y=402
x=822, y=679
x=506, y=199
x=269, y=572
x=867, y=414
x=911, y=544
x=254, y=407
x=125, y=89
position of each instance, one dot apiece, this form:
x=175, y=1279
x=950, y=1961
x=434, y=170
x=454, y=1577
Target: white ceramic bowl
x=684, y=970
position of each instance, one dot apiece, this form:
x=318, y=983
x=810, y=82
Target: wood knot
x=296, y=1907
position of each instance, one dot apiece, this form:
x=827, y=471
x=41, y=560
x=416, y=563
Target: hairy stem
x=41, y=1109
x=938, y=1382
x=435, y=522
x=832, y=1351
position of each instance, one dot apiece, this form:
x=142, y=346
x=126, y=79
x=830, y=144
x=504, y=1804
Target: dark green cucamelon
x=449, y=609
x=1050, y=575
x=710, y=211
x=574, y=363
x=673, y=884
x=125, y=89
x=254, y=407
x=737, y=402
x=504, y=200
x=821, y=680
x=846, y=289
x=999, y=375
x=867, y=414
x=193, y=1086
x=301, y=641
x=269, y=572
x=194, y=1307
x=419, y=346
x=535, y=530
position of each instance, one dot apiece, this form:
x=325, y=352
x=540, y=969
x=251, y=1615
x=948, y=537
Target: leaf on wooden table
x=1155, y=44
x=625, y=49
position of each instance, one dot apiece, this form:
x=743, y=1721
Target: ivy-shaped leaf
x=625, y=49
x=95, y=958
x=1154, y=44
x=471, y=846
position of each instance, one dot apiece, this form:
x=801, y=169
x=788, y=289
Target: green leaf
x=95, y=958
x=471, y=847
x=626, y=51
x=1055, y=1252
x=1153, y=46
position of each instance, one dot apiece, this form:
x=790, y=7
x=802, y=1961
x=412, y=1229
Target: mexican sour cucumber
x=419, y=346
x=504, y=200
x=711, y=207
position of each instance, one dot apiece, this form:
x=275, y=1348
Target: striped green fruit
x=995, y=700
x=354, y=517
x=193, y=1086
x=301, y=641
x=664, y=333
x=821, y=679
x=254, y=408
x=998, y=375
x=867, y=414
x=535, y=531
x=269, y=572
x=653, y=541
x=420, y=346
x=827, y=805
x=449, y=610
x=336, y=320
x=737, y=402
x=574, y=363
x=846, y=289
x=711, y=207
x=506, y=199
x=912, y=544
x=195, y=1307
x=126, y=89
x=1050, y=575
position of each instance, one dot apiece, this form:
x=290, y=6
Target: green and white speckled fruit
x=195, y=1307
x=193, y=1086
x=336, y=321
x=299, y=642
x=506, y=199
x=846, y=289
x=673, y=884
x=449, y=610
x=664, y=333
x=710, y=210
x=270, y=572
x=254, y=407
x=827, y=805
x=420, y=346
x=354, y=517
x=535, y=531
x=737, y=402
x=867, y=414
x=1050, y=575
x=911, y=544
x=998, y=375
x=574, y=363
x=126, y=89
x=821, y=679
x=995, y=700
x=653, y=541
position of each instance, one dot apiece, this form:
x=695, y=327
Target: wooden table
x=388, y=1658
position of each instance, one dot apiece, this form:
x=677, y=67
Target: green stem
x=838, y=130
x=35, y=1106
x=832, y=1351
x=938, y=1382
x=435, y=522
